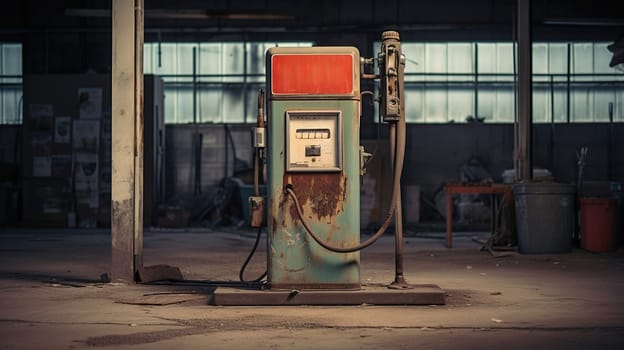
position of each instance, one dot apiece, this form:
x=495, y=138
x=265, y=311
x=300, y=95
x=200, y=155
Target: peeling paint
x=324, y=193
x=122, y=240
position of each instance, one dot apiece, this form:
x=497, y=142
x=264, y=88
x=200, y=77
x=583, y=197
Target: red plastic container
x=598, y=224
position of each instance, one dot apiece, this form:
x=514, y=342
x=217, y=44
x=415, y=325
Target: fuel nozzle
x=260, y=130
x=391, y=70
x=261, y=108
x=256, y=202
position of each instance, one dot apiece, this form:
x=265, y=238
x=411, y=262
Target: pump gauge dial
x=313, y=141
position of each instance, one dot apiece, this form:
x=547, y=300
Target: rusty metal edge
x=419, y=295
x=315, y=286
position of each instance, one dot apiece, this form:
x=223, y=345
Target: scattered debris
x=172, y=216
x=293, y=293
x=59, y=283
x=162, y=299
x=159, y=273
x=105, y=278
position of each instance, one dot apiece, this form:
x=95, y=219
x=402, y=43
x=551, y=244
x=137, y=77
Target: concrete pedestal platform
x=369, y=295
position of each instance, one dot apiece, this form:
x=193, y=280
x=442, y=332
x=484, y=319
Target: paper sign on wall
x=90, y=103
x=87, y=135
x=62, y=130
x=41, y=166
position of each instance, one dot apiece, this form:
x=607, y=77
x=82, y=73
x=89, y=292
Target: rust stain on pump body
x=323, y=192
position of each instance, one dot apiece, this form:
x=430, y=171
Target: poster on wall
x=41, y=143
x=41, y=118
x=49, y=198
x=53, y=205
x=86, y=172
x=86, y=179
x=41, y=166
x=90, y=103
x=62, y=130
x=89, y=199
x=41, y=110
x=61, y=165
x=86, y=135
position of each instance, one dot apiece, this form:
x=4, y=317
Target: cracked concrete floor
x=50, y=298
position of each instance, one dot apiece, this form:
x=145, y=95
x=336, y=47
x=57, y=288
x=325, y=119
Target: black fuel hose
x=253, y=250
x=399, y=153
x=257, y=164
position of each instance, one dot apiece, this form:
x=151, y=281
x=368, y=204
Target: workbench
x=453, y=188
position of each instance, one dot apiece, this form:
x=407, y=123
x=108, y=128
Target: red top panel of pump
x=315, y=74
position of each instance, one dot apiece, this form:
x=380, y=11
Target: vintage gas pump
x=313, y=143
x=314, y=163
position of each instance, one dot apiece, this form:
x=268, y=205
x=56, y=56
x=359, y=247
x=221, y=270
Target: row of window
x=445, y=82
x=10, y=83
x=453, y=81
x=217, y=76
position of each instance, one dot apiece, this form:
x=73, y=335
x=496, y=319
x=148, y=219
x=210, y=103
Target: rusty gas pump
x=310, y=145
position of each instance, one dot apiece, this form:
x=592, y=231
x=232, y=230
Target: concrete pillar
x=127, y=139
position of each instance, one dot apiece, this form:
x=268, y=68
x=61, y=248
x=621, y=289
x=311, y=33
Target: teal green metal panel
x=329, y=199
x=330, y=202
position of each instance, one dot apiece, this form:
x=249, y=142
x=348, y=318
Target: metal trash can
x=544, y=217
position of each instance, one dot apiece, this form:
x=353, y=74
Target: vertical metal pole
x=525, y=90
x=139, y=132
x=394, y=66
x=552, y=123
x=569, y=70
x=194, y=85
x=126, y=97
x=610, y=160
x=197, y=137
x=476, y=80
x=399, y=279
x=245, y=86
x=515, y=92
x=159, y=50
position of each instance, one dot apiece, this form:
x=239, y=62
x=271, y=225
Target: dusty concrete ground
x=50, y=298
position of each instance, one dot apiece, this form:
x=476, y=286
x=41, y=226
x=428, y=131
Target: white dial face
x=313, y=140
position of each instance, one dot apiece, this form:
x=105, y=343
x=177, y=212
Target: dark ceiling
x=283, y=19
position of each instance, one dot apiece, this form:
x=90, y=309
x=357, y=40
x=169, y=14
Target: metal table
x=453, y=188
